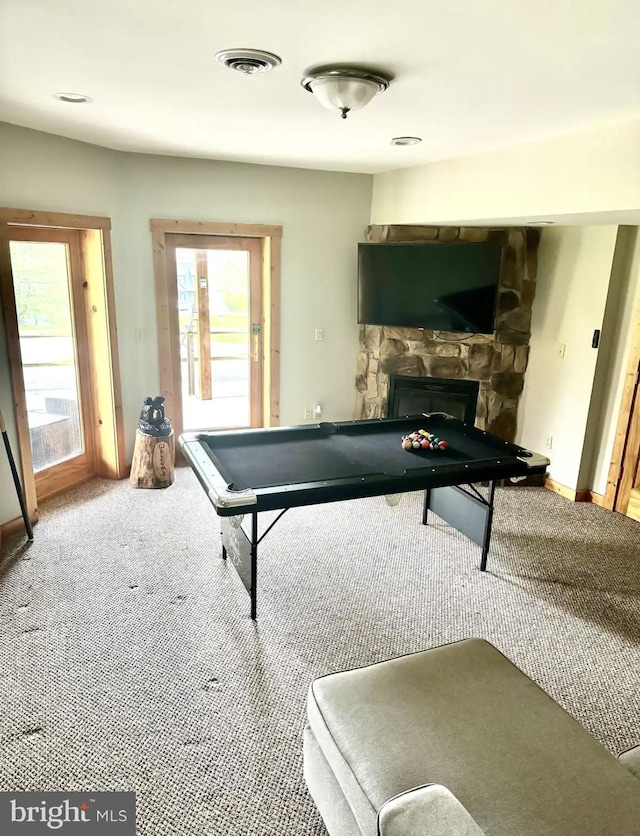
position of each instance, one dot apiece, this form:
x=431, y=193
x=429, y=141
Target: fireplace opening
x=410, y=395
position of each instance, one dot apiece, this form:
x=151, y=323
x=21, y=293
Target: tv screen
x=444, y=287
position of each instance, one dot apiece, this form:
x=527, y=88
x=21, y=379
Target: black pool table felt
x=255, y=461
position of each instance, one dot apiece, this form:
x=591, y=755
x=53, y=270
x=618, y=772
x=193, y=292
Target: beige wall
x=591, y=171
x=574, y=268
x=577, y=180
x=623, y=304
x=561, y=178
x=323, y=215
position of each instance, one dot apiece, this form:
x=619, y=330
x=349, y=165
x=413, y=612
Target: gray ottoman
x=457, y=741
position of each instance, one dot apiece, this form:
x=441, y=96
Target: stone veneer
x=497, y=360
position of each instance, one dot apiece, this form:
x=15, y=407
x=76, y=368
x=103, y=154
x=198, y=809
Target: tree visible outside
x=41, y=288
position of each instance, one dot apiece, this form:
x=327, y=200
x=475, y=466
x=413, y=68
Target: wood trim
x=93, y=259
x=162, y=318
x=166, y=281
x=14, y=355
x=629, y=463
x=272, y=265
x=81, y=467
x=118, y=465
x=11, y=527
x=556, y=487
x=212, y=242
x=599, y=499
x=583, y=495
x=257, y=417
x=61, y=220
x=633, y=505
x=215, y=228
x=624, y=417
x=102, y=339
x=73, y=471
x=166, y=235
x=204, y=325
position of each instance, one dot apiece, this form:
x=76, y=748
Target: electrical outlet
x=560, y=349
x=548, y=442
x=317, y=411
x=319, y=334
x=307, y=414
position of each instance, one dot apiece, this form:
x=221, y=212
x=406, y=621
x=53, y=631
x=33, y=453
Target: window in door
x=47, y=284
x=220, y=321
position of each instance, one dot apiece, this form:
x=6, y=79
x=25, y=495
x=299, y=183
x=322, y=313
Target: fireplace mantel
x=497, y=361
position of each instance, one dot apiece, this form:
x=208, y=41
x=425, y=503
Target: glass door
x=47, y=279
x=220, y=330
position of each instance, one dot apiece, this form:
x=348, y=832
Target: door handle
x=256, y=330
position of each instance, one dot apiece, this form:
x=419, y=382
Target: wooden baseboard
x=583, y=495
x=556, y=487
x=11, y=527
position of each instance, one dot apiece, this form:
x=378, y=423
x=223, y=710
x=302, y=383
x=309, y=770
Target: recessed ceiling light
x=540, y=223
x=406, y=140
x=248, y=61
x=72, y=98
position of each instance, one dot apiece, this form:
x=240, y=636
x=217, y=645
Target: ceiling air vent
x=248, y=61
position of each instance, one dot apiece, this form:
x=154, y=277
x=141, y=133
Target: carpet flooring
x=128, y=659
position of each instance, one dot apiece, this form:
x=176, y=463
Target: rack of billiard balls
x=423, y=440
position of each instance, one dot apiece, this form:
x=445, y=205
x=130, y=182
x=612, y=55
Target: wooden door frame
x=270, y=238
x=82, y=467
x=106, y=399
x=627, y=436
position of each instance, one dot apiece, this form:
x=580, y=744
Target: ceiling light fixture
x=248, y=61
x=406, y=140
x=72, y=98
x=344, y=89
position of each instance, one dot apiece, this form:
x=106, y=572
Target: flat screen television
x=444, y=287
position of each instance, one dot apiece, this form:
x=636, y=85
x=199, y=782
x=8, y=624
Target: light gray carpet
x=128, y=660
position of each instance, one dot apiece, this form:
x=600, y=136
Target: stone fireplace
x=496, y=362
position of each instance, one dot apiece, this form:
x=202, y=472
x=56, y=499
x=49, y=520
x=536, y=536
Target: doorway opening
x=218, y=309
x=47, y=282
x=220, y=321
x=58, y=309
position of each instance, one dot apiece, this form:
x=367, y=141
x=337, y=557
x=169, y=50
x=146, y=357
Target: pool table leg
x=487, y=531
x=254, y=564
x=425, y=507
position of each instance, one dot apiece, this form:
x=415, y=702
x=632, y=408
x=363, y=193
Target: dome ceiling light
x=248, y=61
x=344, y=89
x=406, y=140
x=72, y=98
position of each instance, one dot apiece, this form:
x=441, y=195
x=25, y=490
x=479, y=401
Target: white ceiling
x=468, y=75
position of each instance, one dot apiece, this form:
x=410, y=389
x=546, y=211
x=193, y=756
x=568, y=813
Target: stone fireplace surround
x=497, y=361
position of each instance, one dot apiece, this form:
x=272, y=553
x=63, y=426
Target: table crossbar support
x=241, y=542
x=468, y=511
x=267, y=530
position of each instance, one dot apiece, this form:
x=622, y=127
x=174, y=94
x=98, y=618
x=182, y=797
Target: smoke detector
x=248, y=61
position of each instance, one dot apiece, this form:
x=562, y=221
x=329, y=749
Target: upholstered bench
x=457, y=741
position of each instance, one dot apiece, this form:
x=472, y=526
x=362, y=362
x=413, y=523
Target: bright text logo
x=84, y=814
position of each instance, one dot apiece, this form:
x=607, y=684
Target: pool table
x=245, y=472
